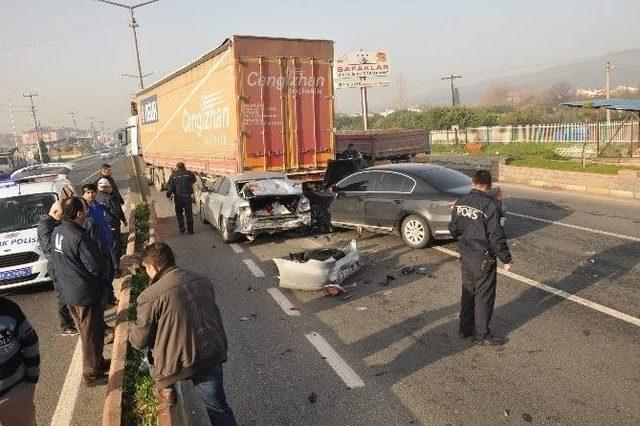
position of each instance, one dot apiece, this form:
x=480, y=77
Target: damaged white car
x=254, y=203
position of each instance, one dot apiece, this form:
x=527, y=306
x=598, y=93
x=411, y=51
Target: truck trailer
x=252, y=104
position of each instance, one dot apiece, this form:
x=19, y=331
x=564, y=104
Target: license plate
x=15, y=273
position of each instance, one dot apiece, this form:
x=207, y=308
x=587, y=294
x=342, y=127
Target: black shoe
x=489, y=341
x=92, y=382
x=191, y=231
x=465, y=334
x=182, y=231
x=69, y=331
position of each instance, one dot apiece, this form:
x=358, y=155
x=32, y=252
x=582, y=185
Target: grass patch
x=540, y=155
x=138, y=401
x=574, y=166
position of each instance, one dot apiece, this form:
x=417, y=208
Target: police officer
x=180, y=186
x=476, y=223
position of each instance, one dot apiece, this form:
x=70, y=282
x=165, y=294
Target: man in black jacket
x=105, y=173
x=45, y=229
x=80, y=270
x=476, y=223
x=180, y=186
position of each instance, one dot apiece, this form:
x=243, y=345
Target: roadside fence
x=616, y=131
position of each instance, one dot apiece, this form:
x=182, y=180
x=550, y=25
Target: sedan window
x=357, y=182
x=393, y=182
x=444, y=179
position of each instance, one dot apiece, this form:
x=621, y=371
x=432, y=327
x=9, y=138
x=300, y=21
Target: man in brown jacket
x=179, y=321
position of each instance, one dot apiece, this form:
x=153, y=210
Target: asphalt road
x=564, y=362
x=39, y=305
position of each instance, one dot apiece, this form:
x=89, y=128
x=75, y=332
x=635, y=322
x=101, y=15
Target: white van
x=22, y=201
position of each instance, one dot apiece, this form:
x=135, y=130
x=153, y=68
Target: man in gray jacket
x=179, y=321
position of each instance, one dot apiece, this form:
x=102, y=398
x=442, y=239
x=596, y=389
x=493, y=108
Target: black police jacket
x=475, y=221
x=181, y=183
x=78, y=264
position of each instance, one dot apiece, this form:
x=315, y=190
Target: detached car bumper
x=270, y=224
x=24, y=275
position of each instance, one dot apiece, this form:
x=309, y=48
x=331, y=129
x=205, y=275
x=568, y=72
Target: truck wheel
x=157, y=182
x=415, y=231
x=203, y=219
x=228, y=236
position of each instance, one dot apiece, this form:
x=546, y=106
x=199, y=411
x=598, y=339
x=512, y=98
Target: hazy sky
x=72, y=51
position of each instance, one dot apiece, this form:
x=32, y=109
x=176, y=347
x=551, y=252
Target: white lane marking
x=581, y=228
x=560, y=293
x=235, y=247
x=283, y=302
x=69, y=393
x=255, y=269
x=339, y=365
x=95, y=173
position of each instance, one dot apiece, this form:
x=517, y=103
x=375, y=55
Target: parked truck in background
x=252, y=104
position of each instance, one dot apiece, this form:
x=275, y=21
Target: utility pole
x=608, y=66
x=93, y=135
x=75, y=126
x=104, y=140
x=13, y=124
x=451, y=78
x=133, y=25
x=35, y=122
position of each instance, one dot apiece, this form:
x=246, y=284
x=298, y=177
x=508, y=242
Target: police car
x=27, y=196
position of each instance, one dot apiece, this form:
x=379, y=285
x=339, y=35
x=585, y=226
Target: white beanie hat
x=104, y=182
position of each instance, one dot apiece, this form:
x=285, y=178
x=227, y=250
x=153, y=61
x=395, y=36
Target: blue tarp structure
x=632, y=105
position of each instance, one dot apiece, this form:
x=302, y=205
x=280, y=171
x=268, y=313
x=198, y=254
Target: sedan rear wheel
x=415, y=231
x=228, y=236
x=203, y=218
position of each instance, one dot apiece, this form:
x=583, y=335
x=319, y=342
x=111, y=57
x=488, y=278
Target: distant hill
x=580, y=74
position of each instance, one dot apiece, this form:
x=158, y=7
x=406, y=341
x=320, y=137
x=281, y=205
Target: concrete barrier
x=625, y=184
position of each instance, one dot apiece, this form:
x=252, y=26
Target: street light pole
x=608, y=67
x=133, y=25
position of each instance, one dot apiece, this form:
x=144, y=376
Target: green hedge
x=138, y=401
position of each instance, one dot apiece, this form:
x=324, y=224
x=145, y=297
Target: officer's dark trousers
x=478, y=293
x=183, y=206
x=63, y=312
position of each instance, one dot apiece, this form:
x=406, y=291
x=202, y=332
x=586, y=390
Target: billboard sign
x=149, y=110
x=362, y=69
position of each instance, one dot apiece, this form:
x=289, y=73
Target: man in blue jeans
x=179, y=322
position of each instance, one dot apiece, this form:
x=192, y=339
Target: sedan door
x=347, y=208
x=385, y=203
x=218, y=197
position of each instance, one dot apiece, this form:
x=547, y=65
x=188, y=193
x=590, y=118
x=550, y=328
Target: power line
x=36, y=41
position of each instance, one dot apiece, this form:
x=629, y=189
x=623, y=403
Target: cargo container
x=385, y=144
x=252, y=104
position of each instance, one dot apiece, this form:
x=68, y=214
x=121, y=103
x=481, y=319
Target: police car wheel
x=203, y=218
x=415, y=231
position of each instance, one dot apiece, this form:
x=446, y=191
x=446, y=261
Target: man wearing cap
x=114, y=214
x=105, y=173
x=180, y=186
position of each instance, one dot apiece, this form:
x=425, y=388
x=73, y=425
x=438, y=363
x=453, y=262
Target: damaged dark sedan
x=410, y=199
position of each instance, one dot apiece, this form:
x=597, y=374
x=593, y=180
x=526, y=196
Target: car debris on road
x=314, y=269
